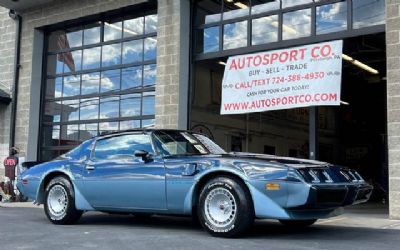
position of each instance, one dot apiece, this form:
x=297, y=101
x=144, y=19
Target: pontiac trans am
x=175, y=172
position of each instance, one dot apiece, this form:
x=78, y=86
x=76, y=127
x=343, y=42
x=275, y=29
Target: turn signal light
x=272, y=186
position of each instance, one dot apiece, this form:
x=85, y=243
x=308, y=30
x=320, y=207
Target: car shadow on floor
x=261, y=228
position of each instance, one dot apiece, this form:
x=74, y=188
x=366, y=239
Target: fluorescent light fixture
x=221, y=63
x=126, y=30
x=241, y=5
x=344, y=103
x=360, y=64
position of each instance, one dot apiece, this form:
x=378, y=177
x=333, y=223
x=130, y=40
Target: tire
x=59, y=204
x=225, y=207
x=297, y=223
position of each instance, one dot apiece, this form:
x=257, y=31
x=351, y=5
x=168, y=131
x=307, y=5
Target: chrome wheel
x=220, y=207
x=57, y=201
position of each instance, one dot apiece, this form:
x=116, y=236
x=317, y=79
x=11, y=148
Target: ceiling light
x=360, y=64
x=344, y=103
x=241, y=5
x=221, y=63
x=126, y=30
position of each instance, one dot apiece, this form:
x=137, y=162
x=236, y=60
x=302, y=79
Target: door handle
x=89, y=167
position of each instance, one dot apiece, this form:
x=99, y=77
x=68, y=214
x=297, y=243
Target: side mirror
x=146, y=156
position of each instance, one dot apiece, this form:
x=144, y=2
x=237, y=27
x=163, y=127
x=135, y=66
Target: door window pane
x=69, y=135
x=291, y=3
x=108, y=127
x=54, y=88
x=131, y=124
x=71, y=85
x=131, y=78
x=91, y=58
x=208, y=11
x=131, y=105
x=148, y=103
x=50, y=136
x=132, y=51
x=55, y=65
x=150, y=48
x=332, y=18
x=109, y=107
x=296, y=24
x=151, y=24
x=235, y=35
x=91, y=34
x=87, y=131
x=72, y=61
x=262, y=6
x=111, y=55
x=52, y=112
x=368, y=13
x=148, y=123
x=89, y=109
x=235, y=9
x=211, y=39
x=110, y=80
x=70, y=110
x=149, y=75
x=90, y=83
x=265, y=30
x=74, y=37
x=112, y=31
x=133, y=27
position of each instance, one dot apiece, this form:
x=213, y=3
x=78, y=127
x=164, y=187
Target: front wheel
x=225, y=207
x=59, y=204
x=297, y=223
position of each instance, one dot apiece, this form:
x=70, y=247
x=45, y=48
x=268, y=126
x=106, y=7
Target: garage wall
x=7, y=31
x=393, y=103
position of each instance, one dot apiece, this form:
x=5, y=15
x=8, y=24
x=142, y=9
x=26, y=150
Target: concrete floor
x=23, y=226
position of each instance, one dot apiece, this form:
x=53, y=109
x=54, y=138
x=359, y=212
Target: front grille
x=316, y=175
x=330, y=175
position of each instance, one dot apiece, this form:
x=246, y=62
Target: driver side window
x=121, y=147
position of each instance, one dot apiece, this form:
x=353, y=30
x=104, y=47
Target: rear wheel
x=297, y=223
x=225, y=207
x=59, y=204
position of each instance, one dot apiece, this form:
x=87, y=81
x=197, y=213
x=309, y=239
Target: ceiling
x=20, y=5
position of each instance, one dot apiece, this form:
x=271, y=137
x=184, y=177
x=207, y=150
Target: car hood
x=288, y=161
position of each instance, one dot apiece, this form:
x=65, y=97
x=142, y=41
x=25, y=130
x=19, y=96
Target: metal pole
x=18, y=26
x=313, y=133
x=247, y=132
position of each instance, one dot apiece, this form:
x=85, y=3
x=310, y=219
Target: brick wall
x=7, y=32
x=169, y=91
x=393, y=102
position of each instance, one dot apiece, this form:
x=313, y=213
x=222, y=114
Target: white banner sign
x=282, y=79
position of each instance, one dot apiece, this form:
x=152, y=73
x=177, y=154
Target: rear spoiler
x=29, y=164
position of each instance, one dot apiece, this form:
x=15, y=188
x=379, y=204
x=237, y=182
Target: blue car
x=150, y=171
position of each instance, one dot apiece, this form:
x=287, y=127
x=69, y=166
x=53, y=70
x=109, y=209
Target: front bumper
x=325, y=196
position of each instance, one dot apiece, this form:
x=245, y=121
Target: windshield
x=181, y=143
